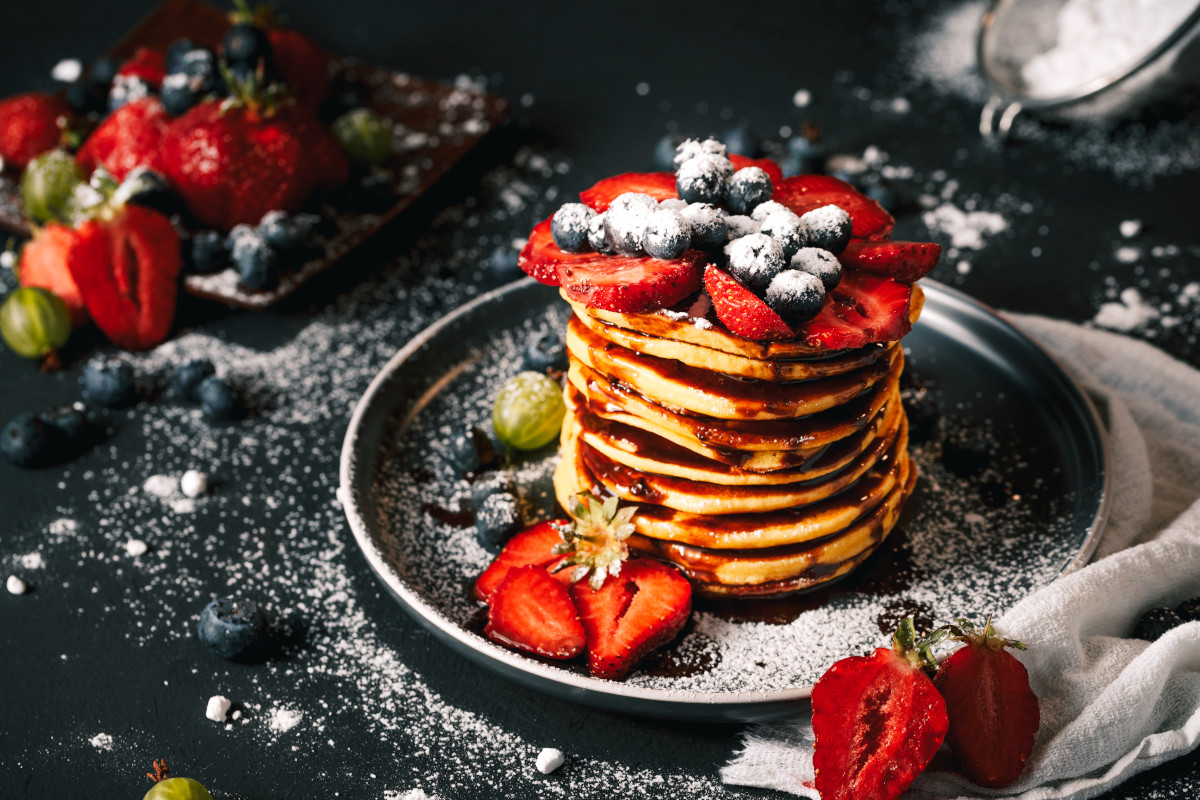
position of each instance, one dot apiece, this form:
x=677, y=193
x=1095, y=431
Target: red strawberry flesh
x=773, y=170
x=29, y=126
x=631, y=615
x=862, y=309
x=531, y=611
x=659, y=185
x=631, y=284
x=532, y=546
x=904, y=261
x=804, y=193
x=741, y=311
x=878, y=722
x=540, y=256
x=45, y=264
x=129, y=137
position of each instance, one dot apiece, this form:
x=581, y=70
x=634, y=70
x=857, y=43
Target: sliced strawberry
x=129, y=137
x=863, y=309
x=659, y=185
x=994, y=714
x=806, y=192
x=533, y=612
x=741, y=311
x=29, y=126
x=44, y=264
x=631, y=284
x=532, y=546
x=540, y=256
x=127, y=270
x=878, y=721
x=632, y=614
x=904, y=261
x=773, y=170
x=146, y=64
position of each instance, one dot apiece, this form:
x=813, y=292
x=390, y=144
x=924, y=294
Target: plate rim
x=506, y=661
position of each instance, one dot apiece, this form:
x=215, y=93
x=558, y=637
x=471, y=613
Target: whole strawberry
x=300, y=61
x=129, y=137
x=994, y=714
x=30, y=124
x=878, y=720
x=234, y=160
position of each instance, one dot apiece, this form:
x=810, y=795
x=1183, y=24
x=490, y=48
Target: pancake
x=645, y=451
x=681, y=387
x=681, y=329
x=693, y=355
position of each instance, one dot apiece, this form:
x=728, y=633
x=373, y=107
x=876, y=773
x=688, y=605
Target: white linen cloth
x=1111, y=706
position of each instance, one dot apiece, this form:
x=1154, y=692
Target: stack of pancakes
x=758, y=468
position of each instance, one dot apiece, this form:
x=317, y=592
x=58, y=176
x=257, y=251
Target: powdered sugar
x=966, y=229
x=282, y=720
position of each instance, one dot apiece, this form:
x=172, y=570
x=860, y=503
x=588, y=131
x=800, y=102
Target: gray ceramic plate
x=1013, y=493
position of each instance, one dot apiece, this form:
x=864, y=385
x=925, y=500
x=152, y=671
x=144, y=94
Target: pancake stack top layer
x=750, y=412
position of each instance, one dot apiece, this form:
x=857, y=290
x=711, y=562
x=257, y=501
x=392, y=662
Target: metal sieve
x=1015, y=31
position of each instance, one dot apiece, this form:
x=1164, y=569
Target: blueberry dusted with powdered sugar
x=597, y=237
x=827, y=227
x=755, y=260
x=748, y=188
x=709, y=228
x=785, y=228
x=625, y=222
x=795, y=296
x=765, y=209
x=692, y=148
x=820, y=263
x=738, y=225
x=668, y=234
x=704, y=179
x=569, y=227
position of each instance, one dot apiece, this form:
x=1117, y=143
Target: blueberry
x=795, y=296
x=748, y=187
x=305, y=225
x=828, y=228
x=785, y=228
x=693, y=148
x=544, y=351
x=503, y=262
x=149, y=189
x=1189, y=609
x=126, y=89
x=709, y=228
x=965, y=452
x=882, y=194
x=84, y=96
x=491, y=483
x=704, y=179
x=218, y=400
x=108, y=381
x=103, y=70
x=807, y=156
x=175, y=53
x=233, y=629
x=625, y=222
x=473, y=451
x=569, y=226
x=821, y=263
x=24, y=440
x=276, y=230
x=252, y=256
x=598, y=237
x=755, y=260
x=70, y=421
x=767, y=208
x=743, y=141
x=739, y=225
x=177, y=94
x=245, y=45
x=187, y=377
x=668, y=234
x=664, y=152
x=497, y=519
x=210, y=252
x=1155, y=623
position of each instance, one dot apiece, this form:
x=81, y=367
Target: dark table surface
x=103, y=644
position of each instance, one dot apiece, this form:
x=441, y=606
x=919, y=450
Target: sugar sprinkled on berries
x=739, y=225
x=704, y=179
x=765, y=209
x=597, y=237
x=668, y=234
x=625, y=221
x=785, y=228
x=569, y=227
x=827, y=227
x=709, y=228
x=821, y=263
x=795, y=296
x=693, y=148
x=755, y=260
x=748, y=188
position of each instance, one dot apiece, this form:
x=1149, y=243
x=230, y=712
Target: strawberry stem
x=963, y=630
x=917, y=650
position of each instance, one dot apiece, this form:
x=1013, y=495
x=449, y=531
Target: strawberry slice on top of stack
x=806, y=258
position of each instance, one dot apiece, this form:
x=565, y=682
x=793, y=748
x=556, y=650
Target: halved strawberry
x=146, y=64
x=532, y=546
x=127, y=270
x=44, y=263
x=129, y=137
x=659, y=185
x=806, y=192
x=904, y=261
x=741, y=311
x=540, y=256
x=29, y=126
x=773, y=170
x=631, y=284
x=531, y=611
x=862, y=309
x=633, y=613
x=994, y=714
x=878, y=721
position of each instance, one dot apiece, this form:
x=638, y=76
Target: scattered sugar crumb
x=15, y=585
x=1127, y=254
x=136, y=547
x=642, y=88
x=966, y=229
x=1130, y=228
x=550, y=759
x=31, y=561
x=162, y=486
x=802, y=98
x=1130, y=313
x=282, y=720
x=963, y=267
x=101, y=741
x=193, y=483
x=67, y=71
x=218, y=708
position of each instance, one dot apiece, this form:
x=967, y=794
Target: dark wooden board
x=435, y=126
